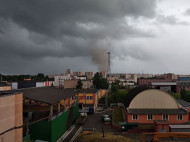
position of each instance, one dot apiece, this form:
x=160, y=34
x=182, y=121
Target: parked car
x=106, y=118
x=81, y=118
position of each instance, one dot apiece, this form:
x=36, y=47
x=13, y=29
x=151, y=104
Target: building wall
x=40, y=84
x=59, y=80
x=12, y=136
x=104, y=74
x=81, y=98
x=11, y=110
x=87, y=84
x=172, y=119
x=69, y=71
x=148, y=82
x=73, y=83
x=70, y=83
x=89, y=75
x=14, y=85
x=162, y=127
x=183, y=85
x=5, y=88
x=77, y=73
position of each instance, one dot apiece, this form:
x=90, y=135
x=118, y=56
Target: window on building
x=88, y=97
x=165, y=117
x=135, y=117
x=149, y=117
x=179, y=117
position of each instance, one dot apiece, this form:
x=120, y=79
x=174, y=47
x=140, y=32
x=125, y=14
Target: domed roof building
x=152, y=105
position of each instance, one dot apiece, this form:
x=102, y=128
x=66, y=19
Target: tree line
x=16, y=78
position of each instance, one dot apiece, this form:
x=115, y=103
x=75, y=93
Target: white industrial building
x=59, y=80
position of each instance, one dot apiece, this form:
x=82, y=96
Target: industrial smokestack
x=108, y=67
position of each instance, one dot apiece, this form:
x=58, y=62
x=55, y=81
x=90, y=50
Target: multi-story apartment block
x=77, y=73
x=69, y=72
x=89, y=75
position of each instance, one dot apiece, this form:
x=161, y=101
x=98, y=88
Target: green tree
x=79, y=85
x=99, y=82
x=185, y=95
x=176, y=96
x=115, y=87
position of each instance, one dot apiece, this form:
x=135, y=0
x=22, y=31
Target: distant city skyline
x=149, y=36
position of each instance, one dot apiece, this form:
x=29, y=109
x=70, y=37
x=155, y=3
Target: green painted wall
x=41, y=131
x=51, y=131
x=76, y=114
x=58, y=126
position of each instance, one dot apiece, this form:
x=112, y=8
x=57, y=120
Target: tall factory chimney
x=108, y=66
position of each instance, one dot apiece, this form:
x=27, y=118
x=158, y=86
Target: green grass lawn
x=118, y=117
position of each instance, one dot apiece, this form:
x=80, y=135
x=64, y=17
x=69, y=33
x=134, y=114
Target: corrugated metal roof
x=183, y=103
x=52, y=95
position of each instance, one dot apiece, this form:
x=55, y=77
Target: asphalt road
x=94, y=121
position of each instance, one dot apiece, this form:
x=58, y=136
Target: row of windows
x=164, y=117
x=76, y=97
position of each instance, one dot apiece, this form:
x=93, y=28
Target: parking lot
x=94, y=121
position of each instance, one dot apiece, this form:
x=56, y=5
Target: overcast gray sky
x=49, y=36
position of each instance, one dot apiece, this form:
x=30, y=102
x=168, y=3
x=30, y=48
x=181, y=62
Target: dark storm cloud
x=37, y=29
x=55, y=17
